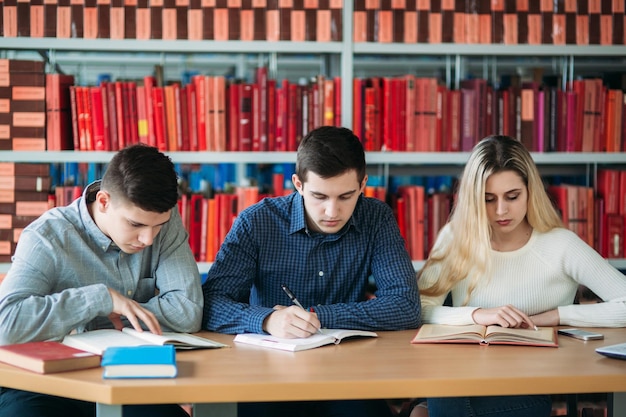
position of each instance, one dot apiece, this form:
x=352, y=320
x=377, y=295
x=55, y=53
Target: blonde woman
x=506, y=259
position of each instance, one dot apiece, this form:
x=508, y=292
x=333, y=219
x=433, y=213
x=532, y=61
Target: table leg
x=616, y=404
x=107, y=410
x=215, y=410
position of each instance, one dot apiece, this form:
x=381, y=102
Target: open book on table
x=97, y=341
x=476, y=333
x=326, y=337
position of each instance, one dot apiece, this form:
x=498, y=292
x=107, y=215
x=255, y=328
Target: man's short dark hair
x=329, y=151
x=143, y=176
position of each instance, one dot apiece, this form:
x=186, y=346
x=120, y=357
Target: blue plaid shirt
x=269, y=245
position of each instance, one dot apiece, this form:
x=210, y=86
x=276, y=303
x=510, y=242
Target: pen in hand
x=291, y=296
x=294, y=300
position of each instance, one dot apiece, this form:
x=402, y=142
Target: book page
x=180, y=340
x=340, y=334
x=280, y=343
x=497, y=333
x=449, y=332
x=96, y=341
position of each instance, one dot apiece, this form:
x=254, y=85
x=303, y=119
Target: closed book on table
x=47, y=357
x=139, y=362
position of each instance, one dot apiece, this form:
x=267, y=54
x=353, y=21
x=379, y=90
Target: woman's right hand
x=503, y=316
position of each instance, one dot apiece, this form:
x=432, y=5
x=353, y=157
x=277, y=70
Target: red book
x=158, y=103
x=143, y=20
x=613, y=243
x=58, y=111
x=97, y=117
x=245, y=117
x=47, y=357
x=233, y=117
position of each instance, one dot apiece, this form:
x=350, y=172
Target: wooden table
x=386, y=367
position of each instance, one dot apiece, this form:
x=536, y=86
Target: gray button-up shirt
x=64, y=264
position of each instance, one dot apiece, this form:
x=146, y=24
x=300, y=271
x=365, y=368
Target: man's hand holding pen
x=293, y=321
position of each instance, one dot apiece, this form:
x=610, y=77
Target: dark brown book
x=21, y=65
x=234, y=23
x=47, y=357
x=23, y=168
x=19, y=106
x=23, y=18
x=1, y=20
x=104, y=18
x=156, y=19
x=25, y=183
x=130, y=19
x=311, y=8
x=398, y=24
x=618, y=11
x=285, y=21
x=423, y=24
x=12, y=196
x=336, y=20
x=522, y=21
x=77, y=18
x=15, y=79
x=259, y=10
x=571, y=13
x=208, y=24
x=50, y=19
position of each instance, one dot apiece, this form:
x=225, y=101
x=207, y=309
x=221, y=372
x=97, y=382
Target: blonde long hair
x=467, y=253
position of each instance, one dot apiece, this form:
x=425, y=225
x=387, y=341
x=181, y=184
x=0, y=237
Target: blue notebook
x=139, y=362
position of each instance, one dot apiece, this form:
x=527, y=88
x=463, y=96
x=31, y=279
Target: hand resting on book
x=291, y=322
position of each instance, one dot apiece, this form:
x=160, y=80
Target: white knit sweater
x=542, y=275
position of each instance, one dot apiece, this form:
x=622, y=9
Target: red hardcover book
x=255, y=120
x=271, y=114
x=219, y=113
x=160, y=132
x=245, y=117
x=612, y=246
x=233, y=116
x=281, y=117
x=97, y=117
x=171, y=122
x=47, y=357
x=199, y=82
x=58, y=109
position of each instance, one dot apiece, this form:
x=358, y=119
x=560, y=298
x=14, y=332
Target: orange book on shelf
x=211, y=230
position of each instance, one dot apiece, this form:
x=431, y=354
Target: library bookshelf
x=344, y=58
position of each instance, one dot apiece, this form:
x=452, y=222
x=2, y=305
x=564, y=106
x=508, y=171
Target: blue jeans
x=14, y=403
x=505, y=406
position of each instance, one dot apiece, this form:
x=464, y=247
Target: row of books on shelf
x=597, y=215
x=419, y=114
x=407, y=21
x=41, y=111
x=271, y=20
x=404, y=113
x=490, y=22
x=210, y=113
